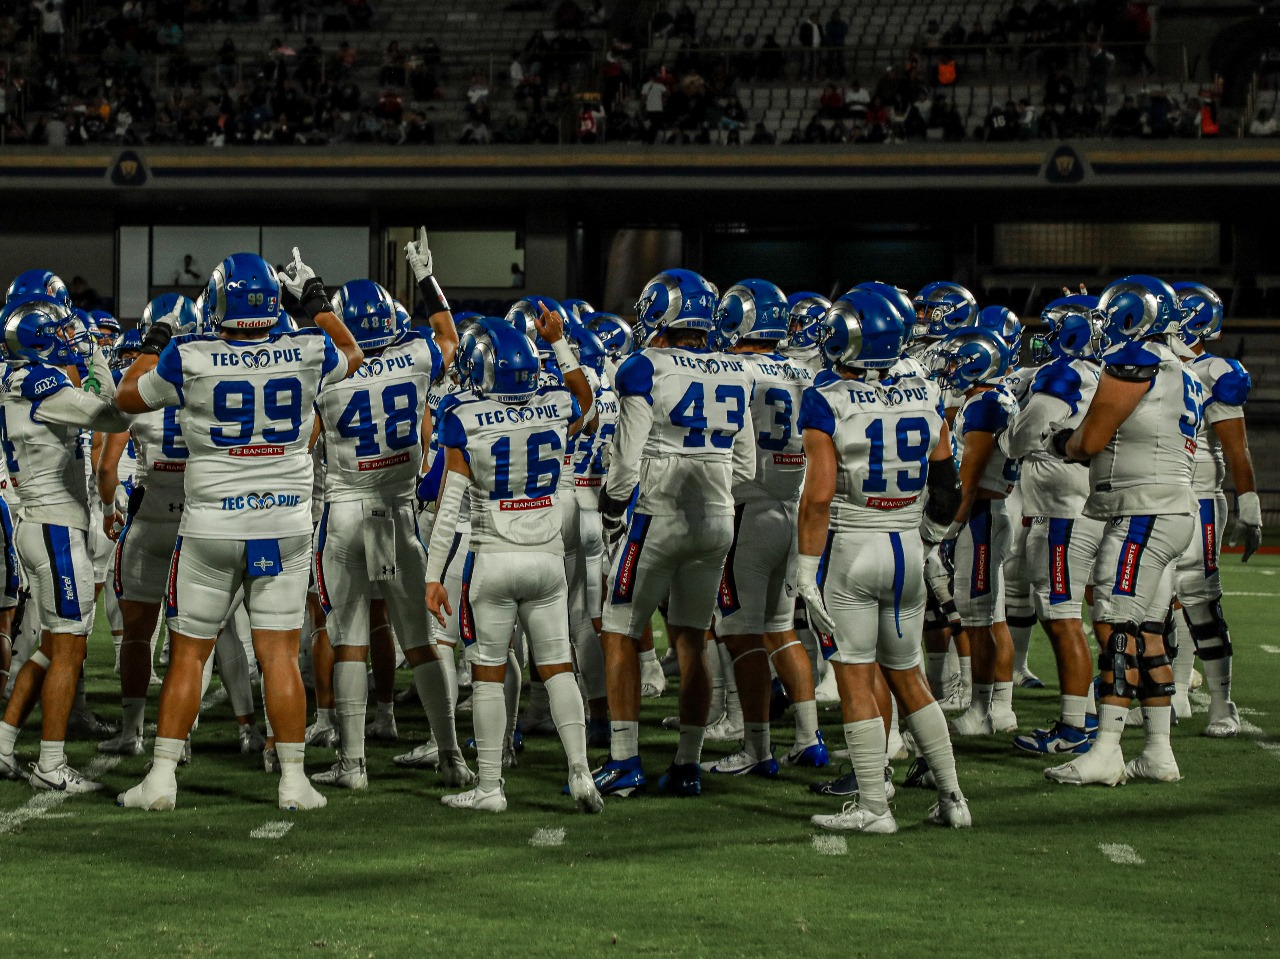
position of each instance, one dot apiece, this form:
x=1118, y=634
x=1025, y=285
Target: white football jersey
x=8, y=463
x=777, y=385
x=883, y=434
x=989, y=411
x=1146, y=467
x=589, y=450
x=1226, y=386
x=1018, y=381
x=515, y=454
x=680, y=414
x=162, y=464
x=45, y=459
x=246, y=411
x=373, y=423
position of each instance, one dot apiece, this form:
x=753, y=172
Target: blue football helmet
x=39, y=328
x=1004, y=323
x=243, y=294
x=804, y=312
x=500, y=362
x=862, y=330
x=108, y=328
x=130, y=341
x=577, y=309
x=1201, y=311
x=675, y=299
x=166, y=303
x=38, y=281
x=587, y=344
x=1139, y=306
x=285, y=324
x=751, y=310
x=944, y=306
x=404, y=321
x=368, y=313
x=1074, y=329
x=523, y=312
x=898, y=299
x=972, y=355
x=614, y=333
x=204, y=322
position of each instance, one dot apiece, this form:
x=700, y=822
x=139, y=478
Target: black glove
x=613, y=514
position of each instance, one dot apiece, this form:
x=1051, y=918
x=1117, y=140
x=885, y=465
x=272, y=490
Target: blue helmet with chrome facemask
x=899, y=300
x=1139, y=306
x=675, y=299
x=243, y=294
x=1201, y=311
x=943, y=306
x=1074, y=330
x=163, y=305
x=614, y=333
x=39, y=328
x=368, y=313
x=805, y=311
x=751, y=310
x=524, y=311
x=108, y=328
x=862, y=330
x=578, y=309
x=38, y=281
x=130, y=341
x=972, y=355
x=1004, y=323
x=500, y=362
x=404, y=321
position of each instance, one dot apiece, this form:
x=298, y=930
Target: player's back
x=589, y=448
x=777, y=386
x=883, y=435
x=161, y=452
x=1146, y=468
x=1226, y=386
x=989, y=411
x=48, y=457
x=1049, y=486
x=373, y=423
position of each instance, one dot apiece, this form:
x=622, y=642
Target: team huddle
x=872, y=494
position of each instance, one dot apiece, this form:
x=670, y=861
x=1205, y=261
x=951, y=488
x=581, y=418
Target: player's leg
x=383, y=656
x=584, y=609
x=1019, y=608
x=978, y=596
x=324, y=731
x=234, y=668
x=1205, y=624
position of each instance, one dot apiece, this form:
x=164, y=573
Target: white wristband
x=565, y=358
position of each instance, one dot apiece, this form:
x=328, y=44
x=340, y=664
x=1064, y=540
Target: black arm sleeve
x=944, y=490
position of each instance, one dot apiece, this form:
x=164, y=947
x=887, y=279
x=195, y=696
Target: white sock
x=1073, y=710
x=1185, y=663
x=1021, y=644
x=1110, y=725
x=624, y=741
x=806, y=715
x=966, y=671
x=351, y=695
x=489, y=718
x=929, y=728
x=449, y=663
x=1091, y=706
x=326, y=717
x=1217, y=678
x=8, y=737
x=386, y=710
x=718, y=690
x=689, y=749
x=866, y=740
x=567, y=713
x=648, y=656
x=292, y=756
x=1002, y=696
x=432, y=684
x=756, y=741
x=935, y=671
x=1156, y=721
x=208, y=676
x=982, y=697
x=52, y=755
x=133, y=714
x=511, y=684
x=165, y=757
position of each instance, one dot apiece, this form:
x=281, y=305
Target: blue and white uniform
x=245, y=411
x=144, y=548
x=590, y=451
x=9, y=502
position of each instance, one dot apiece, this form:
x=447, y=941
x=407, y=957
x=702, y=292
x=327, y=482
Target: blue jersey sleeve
x=986, y=414
x=1232, y=388
x=635, y=377
x=816, y=413
x=452, y=435
x=41, y=382
x=169, y=368
x=1060, y=380
x=826, y=377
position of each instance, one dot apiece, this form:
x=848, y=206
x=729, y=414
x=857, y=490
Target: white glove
x=419, y=255
x=807, y=587
x=1248, y=524
x=172, y=319
x=294, y=277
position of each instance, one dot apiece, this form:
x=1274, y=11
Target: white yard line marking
x=1249, y=710
x=1256, y=569
x=1272, y=748
x=1252, y=729
x=830, y=845
x=546, y=838
x=42, y=804
x=1199, y=702
x=1273, y=650
x=1246, y=593
x=272, y=830
x=1120, y=854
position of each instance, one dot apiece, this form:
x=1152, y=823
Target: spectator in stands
x=590, y=122
x=475, y=134
x=831, y=103
x=996, y=127
x=515, y=70
x=915, y=125
x=1059, y=89
x=1028, y=123
x=1157, y=119
x=392, y=71
x=512, y=132
x=169, y=37
x=1097, y=73
x=654, y=94
x=344, y=61
x=1263, y=125
x=1128, y=120
x=761, y=136
x=932, y=36
x=227, y=57
x=531, y=92
x=810, y=37
x=770, y=60
x=1017, y=20
x=856, y=100
x=946, y=72
x=834, y=36
x=309, y=59
x=51, y=27
x=877, y=123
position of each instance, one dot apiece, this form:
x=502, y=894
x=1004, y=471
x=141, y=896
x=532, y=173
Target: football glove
x=1248, y=524
x=807, y=587
x=302, y=281
x=613, y=521
x=419, y=255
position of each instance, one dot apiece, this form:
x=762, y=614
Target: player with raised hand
x=755, y=611
x=47, y=409
x=1139, y=439
x=873, y=445
x=504, y=443
x=684, y=439
x=367, y=544
x=1061, y=543
x=439, y=315
x=245, y=397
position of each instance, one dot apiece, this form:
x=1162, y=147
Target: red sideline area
x=1262, y=550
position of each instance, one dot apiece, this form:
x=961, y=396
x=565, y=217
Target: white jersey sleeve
x=989, y=411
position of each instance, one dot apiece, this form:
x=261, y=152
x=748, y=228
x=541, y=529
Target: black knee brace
x=1115, y=660
x=1149, y=688
x=1022, y=621
x=1170, y=632
x=1207, y=623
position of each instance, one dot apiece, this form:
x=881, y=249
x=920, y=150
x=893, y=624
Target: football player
x=873, y=446
x=1139, y=439
x=683, y=440
x=245, y=398
x=505, y=443
x=47, y=410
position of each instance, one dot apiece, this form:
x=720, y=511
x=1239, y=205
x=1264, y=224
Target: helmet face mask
x=944, y=306
x=1201, y=312
x=805, y=313
x=39, y=329
x=972, y=356
x=614, y=333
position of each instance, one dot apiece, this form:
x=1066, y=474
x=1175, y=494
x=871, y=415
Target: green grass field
x=735, y=873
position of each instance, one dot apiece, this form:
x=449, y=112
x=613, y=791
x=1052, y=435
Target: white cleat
x=321, y=734
x=1026, y=679
x=1099, y=765
x=454, y=771
x=724, y=730
x=344, y=776
x=1224, y=721
x=270, y=761
x=1004, y=721
x=854, y=818
x=1162, y=769
x=826, y=693
x=480, y=800
x=537, y=721
x=465, y=705
x=9, y=767
x=742, y=763
x=956, y=701
x=126, y=744
x=1197, y=679
x=428, y=754
x=653, y=681
x=216, y=697
x=382, y=729
x=952, y=811
x=973, y=722
x=155, y=680
x=251, y=740
x=155, y=793
x=299, y=796
x=583, y=790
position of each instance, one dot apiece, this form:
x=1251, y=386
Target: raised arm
x=438, y=313
x=302, y=281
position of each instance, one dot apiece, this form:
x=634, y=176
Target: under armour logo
x=388, y=570
x=264, y=564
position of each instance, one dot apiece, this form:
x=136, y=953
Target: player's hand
x=1248, y=524
x=112, y=524
x=820, y=620
x=936, y=572
x=549, y=324
x=947, y=555
x=172, y=319
x=614, y=529
x=419, y=255
x=296, y=275
x=437, y=599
